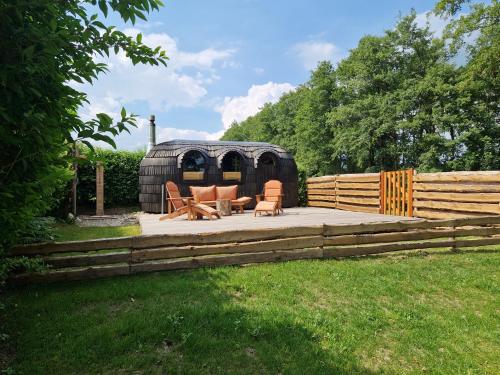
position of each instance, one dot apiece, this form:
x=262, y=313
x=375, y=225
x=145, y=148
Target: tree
x=46, y=45
x=396, y=101
x=478, y=32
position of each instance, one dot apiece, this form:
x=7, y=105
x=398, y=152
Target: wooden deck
x=293, y=217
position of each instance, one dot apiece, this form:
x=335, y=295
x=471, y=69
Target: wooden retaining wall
x=80, y=260
x=443, y=195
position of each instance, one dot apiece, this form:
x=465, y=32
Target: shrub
x=121, y=177
x=302, y=187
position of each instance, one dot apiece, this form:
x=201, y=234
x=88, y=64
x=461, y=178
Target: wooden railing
x=406, y=193
x=79, y=260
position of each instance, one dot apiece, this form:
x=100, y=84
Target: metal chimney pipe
x=152, y=132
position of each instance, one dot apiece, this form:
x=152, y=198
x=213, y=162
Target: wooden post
x=99, y=189
x=381, y=193
x=75, y=180
x=410, y=192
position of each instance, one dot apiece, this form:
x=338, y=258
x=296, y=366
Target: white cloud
x=183, y=83
x=240, y=107
x=311, y=52
x=258, y=71
x=436, y=24
x=139, y=136
x=166, y=134
x=159, y=87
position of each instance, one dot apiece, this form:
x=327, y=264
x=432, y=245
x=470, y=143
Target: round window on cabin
x=232, y=166
x=193, y=166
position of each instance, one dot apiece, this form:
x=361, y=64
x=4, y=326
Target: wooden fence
x=353, y=192
x=443, y=195
x=79, y=260
x=456, y=194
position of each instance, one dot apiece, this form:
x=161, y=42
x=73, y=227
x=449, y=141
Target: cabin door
x=267, y=169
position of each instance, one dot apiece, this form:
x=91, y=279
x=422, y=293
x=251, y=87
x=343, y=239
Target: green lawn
x=436, y=313
x=71, y=232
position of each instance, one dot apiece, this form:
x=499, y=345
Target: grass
x=435, y=313
x=71, y=232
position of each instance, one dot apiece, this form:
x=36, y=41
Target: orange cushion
x=242, y=200
x=227, y=192
x=266, y=206
x=203, y=193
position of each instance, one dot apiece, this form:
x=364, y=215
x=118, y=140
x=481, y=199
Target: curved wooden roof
x=215, y=149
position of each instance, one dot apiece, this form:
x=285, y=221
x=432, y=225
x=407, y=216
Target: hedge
x=121, y=177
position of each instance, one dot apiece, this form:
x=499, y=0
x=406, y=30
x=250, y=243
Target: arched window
x=232, y=166
x=267, y=159
x=193, y=166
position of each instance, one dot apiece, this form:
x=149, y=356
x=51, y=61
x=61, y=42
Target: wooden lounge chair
x=186, y=205
x=271, y=199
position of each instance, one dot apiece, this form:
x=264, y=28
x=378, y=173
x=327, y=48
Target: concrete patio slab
x=292, y=217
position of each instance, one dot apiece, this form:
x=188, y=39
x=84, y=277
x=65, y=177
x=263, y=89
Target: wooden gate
x=396, y=192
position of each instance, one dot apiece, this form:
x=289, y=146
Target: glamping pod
x=202, y=163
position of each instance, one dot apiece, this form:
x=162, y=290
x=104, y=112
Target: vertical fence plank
x=398, y=192
x=381, y=193
x=410, y=192
x=405, y=195
x=393, y=196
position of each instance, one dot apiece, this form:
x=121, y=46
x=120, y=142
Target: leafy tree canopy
x=397, y=101
x=47, y=46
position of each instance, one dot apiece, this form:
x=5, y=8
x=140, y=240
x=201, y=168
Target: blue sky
x=229, y=57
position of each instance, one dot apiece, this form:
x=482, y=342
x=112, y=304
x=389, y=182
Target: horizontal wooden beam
x=351, y=207
x=361, y=185
x=464, y=207
x=345, y=251
x=474, y=176
x=321, y=204
x=88, y=259
x=363, y=193
x=321, y=191
x=458, y=197
x=452, y=187
x=71, y=246
x=246, y=247
x=329, y=198
x=360, y=239
x=357, y=200
x=378, y=227
x=443, y=214
x=323, y=185
x=321, y=179
x=142, y=242
x=226, y=259
x=362, y=177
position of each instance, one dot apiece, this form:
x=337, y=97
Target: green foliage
x=40, y=229
x=302, y=186
x=397, y=101
x=121, y=177
x=48, y=46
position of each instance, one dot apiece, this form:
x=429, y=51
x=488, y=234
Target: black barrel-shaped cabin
x=202, y=163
